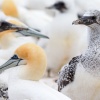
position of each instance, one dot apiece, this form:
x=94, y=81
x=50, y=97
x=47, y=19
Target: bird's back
x=33, y=90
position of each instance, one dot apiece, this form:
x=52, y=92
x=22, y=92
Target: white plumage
x=66, y=40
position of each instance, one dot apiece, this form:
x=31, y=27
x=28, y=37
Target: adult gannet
x=63, y=36
x=9, y=42
x=24, y=79
x=80, y=79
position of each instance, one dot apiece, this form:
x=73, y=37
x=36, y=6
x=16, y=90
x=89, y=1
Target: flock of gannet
x=38, y=39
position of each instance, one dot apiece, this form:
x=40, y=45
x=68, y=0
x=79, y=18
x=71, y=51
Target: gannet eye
x=15, y=57
x=3, y=24
x=93, y=17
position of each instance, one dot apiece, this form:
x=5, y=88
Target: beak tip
x=76, y=22
x=47, y=37
x=72, y=23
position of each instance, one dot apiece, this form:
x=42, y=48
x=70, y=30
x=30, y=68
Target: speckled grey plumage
x=4, y=93
x=67, y=73
x=90, y=60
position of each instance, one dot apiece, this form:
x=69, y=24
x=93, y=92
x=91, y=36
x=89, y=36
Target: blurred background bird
x=66, y=41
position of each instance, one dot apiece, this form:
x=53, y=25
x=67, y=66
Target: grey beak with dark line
x=24, y=31
x=32, y=32
x=86, y=20
x=13, y=62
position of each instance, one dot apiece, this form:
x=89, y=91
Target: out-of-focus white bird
x=66, y=40
x=24, y=79
x=37, y=19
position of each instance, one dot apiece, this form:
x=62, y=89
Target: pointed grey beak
x=13, y=62
x=32, y=32
x=24, y=31
x=85, y=20
x=76, y=22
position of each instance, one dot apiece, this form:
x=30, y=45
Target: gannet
x=63, y=36
x=80, y=79
x=9, y=42
x=24, y=79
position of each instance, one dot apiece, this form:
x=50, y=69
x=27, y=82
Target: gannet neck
x=36, y=62
x=6, y=39
x=94, y=36
x=91, y=58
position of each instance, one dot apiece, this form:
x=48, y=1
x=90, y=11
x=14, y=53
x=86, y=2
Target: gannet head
x=16, y=26
x=35, y=58
x=91, y=18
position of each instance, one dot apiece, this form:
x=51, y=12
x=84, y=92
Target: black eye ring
x=15, y=57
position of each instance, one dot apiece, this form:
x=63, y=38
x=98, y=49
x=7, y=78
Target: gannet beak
x=76, y=22
x=32, y=32
x=13, y=62
x=85, y=20
x=4, y=26
x=8, y=26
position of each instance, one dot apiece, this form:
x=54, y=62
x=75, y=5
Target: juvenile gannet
x=80, y=79
x=24, y=79
x=63, y=36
